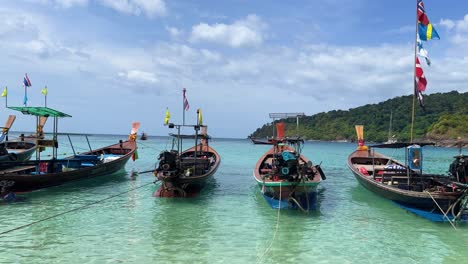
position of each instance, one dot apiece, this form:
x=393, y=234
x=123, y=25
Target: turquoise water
x=229, y=222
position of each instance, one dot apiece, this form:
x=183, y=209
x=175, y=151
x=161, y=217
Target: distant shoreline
x=453, y=143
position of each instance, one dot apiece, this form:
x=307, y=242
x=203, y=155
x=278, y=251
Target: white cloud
x=448, y=23
x=458, y=25
x=459, y=30
x=71, y=3
x=246, y=32
x=61, y=3
x=150, y=8
x=174, y=32
x=139, y=76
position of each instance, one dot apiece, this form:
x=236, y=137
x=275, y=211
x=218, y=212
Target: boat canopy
x=199, y=136
x=402, y=144
x=39, y=111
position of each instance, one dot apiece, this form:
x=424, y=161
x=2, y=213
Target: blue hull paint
x=302, y=199
x=434, y=217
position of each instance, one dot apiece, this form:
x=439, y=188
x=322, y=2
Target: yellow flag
x=168, y=116
x=200, y=118
x=44, y=91
x=5, y=92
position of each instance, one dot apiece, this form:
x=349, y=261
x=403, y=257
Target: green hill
x=445, y=117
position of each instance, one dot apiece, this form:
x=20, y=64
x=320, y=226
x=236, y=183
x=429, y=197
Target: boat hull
x=24, y=180
x=181, y=185
x=287, y=193
x=422, y=200
x=18, y=151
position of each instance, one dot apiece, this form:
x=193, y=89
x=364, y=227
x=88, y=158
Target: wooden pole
x=414, y=75
x=25, y=96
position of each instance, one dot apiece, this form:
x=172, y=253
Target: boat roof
x=402, y=144
x=200, y=136
x=39, y=111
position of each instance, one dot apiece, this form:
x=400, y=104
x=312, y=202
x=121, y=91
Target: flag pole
x=414, y=74
x=45, y=100
x=25, y=95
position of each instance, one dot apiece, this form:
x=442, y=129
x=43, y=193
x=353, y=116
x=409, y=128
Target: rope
x=276, y=228
x=298, y=204
x=462, y=206
x=445, y=214
x=147, y=146
x=72, y=210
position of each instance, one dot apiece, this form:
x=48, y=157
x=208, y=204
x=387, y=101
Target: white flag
x=422, y=51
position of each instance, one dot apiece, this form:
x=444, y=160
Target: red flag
x=421, y=81
x=422, y=17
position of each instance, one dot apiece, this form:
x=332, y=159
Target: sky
x=111, y=62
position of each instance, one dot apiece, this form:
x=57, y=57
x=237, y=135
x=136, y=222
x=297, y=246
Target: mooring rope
x=72, y=210
x=276, y=229
x=445, y=214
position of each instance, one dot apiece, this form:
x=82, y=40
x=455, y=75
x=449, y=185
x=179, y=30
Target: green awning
x=39, y=111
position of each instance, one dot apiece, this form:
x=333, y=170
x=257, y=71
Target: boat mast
x=414, y=74
x=390, y=126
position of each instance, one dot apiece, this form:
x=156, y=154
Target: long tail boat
x=437, y=197
x=258, y=141
x=14, y=150
x=36, y=174
x=184, y=173
x=288, y=179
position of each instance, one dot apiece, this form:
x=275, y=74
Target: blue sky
x=111, y=62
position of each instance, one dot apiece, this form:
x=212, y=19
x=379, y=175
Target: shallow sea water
x=229, y=222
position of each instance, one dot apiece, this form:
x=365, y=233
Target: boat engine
x=167, y=160
x=287, y=165
x=3, y=150
x=459, y=169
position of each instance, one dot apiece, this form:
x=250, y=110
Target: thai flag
x=186, y=104
x=26, y=81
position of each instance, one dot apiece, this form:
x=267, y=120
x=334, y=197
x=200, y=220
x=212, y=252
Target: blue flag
x=25, y=100
x=427, y=32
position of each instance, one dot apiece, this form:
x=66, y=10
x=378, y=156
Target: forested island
x=444, y=120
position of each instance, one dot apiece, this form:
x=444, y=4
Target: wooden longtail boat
x=288, y=179
x=257, y=141
x=184, y=173
x=16, y=150
x=37, y=174
x=405, y=183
